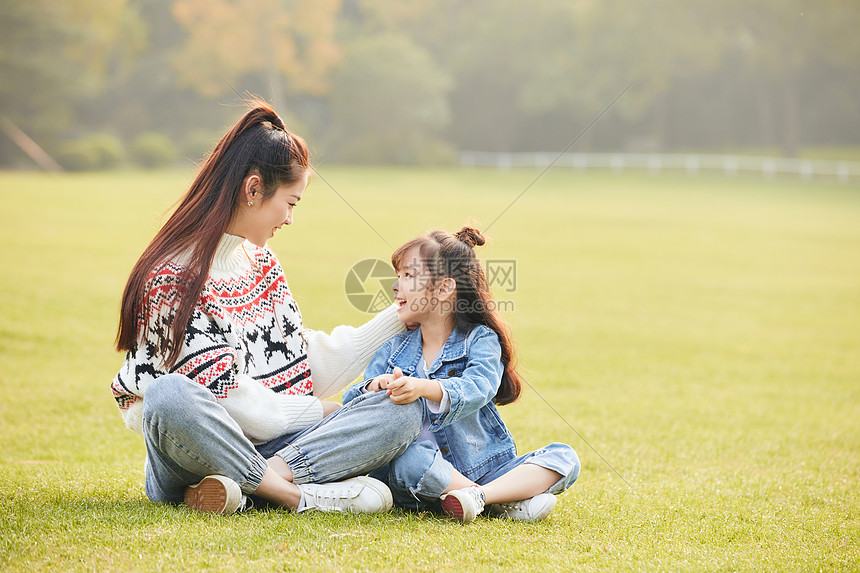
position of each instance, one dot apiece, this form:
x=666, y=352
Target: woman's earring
x=250, y=203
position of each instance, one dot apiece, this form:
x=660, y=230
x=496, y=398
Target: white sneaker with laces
x=360, y=494
x=215, y=494
x=532, y=509
x=463, y=504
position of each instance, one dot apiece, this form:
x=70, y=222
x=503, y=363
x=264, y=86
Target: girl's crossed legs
x=421, y=476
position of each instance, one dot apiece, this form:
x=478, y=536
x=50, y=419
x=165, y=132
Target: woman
x=220, y=377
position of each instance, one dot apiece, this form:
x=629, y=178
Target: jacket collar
x=407, y=355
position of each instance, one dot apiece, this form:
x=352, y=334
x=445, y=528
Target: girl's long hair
x=258, y=143
x=452, y=255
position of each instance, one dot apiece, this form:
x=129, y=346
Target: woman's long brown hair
x=258, y=143
x=452, y=255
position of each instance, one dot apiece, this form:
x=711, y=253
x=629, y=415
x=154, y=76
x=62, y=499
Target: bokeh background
x=103, y=83
x=692, y=332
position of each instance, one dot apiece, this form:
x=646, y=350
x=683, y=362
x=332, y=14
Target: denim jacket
x=471, y=435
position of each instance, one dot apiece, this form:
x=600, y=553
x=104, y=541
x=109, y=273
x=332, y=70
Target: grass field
x=699, y=336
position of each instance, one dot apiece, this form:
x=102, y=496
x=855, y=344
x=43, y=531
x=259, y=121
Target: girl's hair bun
x=470, y=236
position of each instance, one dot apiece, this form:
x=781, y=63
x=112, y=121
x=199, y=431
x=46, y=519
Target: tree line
x=102, y=82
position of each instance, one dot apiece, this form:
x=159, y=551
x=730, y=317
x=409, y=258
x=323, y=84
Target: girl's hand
x=382, y=381
x=405, y=389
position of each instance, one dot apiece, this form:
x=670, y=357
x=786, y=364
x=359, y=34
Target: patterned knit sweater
x=261, y=374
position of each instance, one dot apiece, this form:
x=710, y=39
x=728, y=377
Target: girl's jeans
x=189, y=435
x=419, y=476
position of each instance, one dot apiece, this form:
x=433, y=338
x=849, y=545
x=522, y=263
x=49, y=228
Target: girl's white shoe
x=464, y=504
x=532, y=509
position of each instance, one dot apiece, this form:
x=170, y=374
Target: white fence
x=692, y=164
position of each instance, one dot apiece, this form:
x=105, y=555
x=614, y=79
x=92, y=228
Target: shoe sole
x=212, y=495
x=453, y=507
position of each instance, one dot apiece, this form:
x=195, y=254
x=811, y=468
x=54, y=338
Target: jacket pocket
x=492, y=420
x=451, y=369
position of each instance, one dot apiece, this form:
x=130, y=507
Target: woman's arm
x=338, y=358
x=378, y=365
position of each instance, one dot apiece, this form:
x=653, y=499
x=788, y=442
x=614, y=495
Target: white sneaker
x=464, y=504
x=215, y=494
x=360, y=494
x=532, y=509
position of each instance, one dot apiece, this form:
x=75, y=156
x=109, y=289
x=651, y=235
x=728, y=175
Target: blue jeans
x=418, y=478
x=189, y=435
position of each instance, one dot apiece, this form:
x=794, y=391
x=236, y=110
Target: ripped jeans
x=421, y=474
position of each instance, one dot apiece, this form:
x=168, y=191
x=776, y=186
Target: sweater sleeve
x=338, y=358
x=264, y=415
x=210, y=359
x=378, y=365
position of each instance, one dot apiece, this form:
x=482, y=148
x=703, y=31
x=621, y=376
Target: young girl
x=220, y=377
x=460, y=363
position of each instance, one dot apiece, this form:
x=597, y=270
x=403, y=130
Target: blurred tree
x=488, y=51
x=146, y=94
x=610, y=44
x=388, y=101
x=506, y=75
x=96, y=151
x=152, y=150
x=493, y=56
x=290, y=43
x=53, y=53
x=532, y=75
x=784, y=44
x=390, y=16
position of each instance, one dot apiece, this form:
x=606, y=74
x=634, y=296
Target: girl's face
x=412, y=292
x=259, y=222
x=418, y=299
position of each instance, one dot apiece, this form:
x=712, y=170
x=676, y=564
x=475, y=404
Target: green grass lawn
x=701, y=336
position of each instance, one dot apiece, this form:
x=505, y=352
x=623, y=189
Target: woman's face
x=260, y=221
